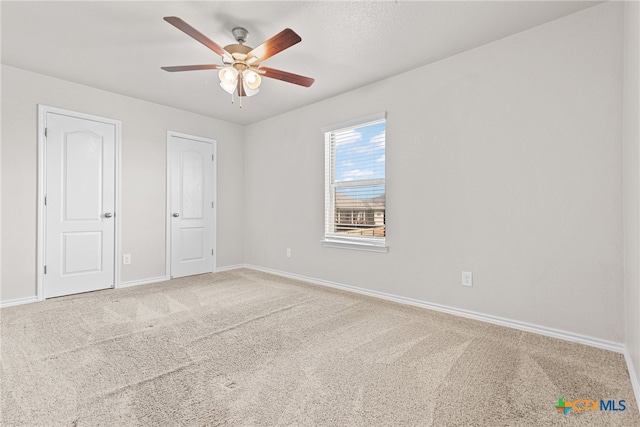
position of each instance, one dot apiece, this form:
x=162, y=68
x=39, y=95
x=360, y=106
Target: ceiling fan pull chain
x=239, y=86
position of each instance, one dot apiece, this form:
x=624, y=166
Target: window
x=355, y=193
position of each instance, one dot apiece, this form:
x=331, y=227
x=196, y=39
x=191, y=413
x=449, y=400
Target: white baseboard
x=164, y=278
x=229, y=267
x=632, y=374
x=142, y=282
x=122, y=285
x=523, y=326
x=18, y=301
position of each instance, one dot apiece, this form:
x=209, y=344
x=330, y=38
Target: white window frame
x=331, y=240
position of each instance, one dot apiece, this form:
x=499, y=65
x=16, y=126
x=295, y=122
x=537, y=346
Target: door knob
x=108, y=215
x=176, y=214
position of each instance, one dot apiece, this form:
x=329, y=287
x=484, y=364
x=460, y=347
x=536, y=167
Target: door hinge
x=212, y=205
x=45, y=132
x=213, y=158
x=45, y=200
x=45, y=269
x=211, y=252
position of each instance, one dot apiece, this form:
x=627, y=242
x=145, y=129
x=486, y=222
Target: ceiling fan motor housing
x=240, y=34
x=239, y=53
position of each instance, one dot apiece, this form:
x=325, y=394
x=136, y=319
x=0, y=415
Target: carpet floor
x=245, y=348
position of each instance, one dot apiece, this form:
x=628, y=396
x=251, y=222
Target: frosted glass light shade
x=228, y=87
x=228, y=75
x=251, y=79
x=250, y=92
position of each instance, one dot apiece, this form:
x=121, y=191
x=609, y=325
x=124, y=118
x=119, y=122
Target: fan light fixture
x=251, y=79
x=230, y=77
x=242, y=72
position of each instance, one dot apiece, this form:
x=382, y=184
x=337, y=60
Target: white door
x=79, y=205
x=191, y=213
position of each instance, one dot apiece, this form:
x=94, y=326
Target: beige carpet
x=244, y=348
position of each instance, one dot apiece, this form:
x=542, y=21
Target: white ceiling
x=120, y=46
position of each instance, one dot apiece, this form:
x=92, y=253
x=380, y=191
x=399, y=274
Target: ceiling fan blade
x=281, y=41
x=286, y=77
x=192, y=67
x=189, y=30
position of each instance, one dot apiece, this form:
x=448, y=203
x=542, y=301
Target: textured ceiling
x=120, y=46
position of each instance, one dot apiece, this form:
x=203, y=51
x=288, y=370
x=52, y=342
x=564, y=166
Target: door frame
x=214, y=234
x=41, y=225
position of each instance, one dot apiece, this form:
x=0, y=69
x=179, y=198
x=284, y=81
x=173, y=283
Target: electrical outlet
x=126, y=259
x=467, y=278
x=288, y=252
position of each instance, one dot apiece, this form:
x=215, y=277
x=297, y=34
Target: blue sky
x=360, y=153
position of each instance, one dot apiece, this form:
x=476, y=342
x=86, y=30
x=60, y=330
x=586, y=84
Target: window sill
x=353, y=245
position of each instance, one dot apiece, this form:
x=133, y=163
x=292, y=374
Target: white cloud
x=380, y=159
x=375, y=143
x=361, y=149
x=378, y=139
x=355, y=173
x=347, y=137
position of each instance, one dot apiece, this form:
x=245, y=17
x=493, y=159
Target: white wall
x=505, y=161
x=1, y=259
x=143, y=181
x=631, y=180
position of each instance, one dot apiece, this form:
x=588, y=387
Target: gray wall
x=505, y=161
x=143, y=176
x=631, y=181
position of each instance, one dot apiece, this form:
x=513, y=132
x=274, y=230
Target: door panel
x=193, y=243
x=81, y=253
x=191, y=176
x=80, y=193
x=192, y=170
x=82, y=170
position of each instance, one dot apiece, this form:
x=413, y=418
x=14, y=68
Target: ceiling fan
x=241, y=72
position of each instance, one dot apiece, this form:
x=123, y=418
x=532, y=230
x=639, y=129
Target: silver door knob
x=176, y=214
x=108, y=215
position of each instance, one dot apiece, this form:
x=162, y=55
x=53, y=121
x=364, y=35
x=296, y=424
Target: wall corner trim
x=632, y=375
x=141, y=282
x=229, y=267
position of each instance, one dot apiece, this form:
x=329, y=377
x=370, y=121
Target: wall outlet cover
x=467, y=278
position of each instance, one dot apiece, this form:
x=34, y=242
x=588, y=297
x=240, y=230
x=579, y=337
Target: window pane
x=355, y=182
x=359, y=211
x=360, y=153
